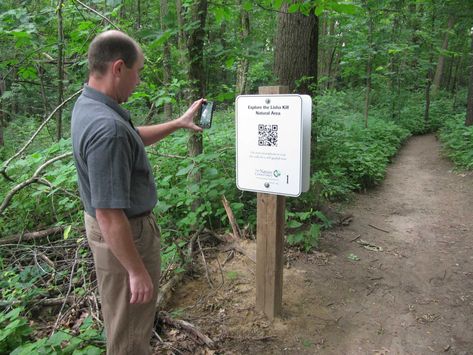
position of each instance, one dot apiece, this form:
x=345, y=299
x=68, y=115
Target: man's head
x=115, y=62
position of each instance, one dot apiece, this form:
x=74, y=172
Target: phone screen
x=206, y=113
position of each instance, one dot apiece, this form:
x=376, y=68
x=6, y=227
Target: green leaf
x=277, y=4
x=248, y=6
x=186, y=170
x=318, y=10
x=67, y=231
x=349, y=9
x=293, y=8
x=294, y=224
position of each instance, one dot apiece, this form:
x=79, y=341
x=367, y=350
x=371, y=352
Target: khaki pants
x=128, y=326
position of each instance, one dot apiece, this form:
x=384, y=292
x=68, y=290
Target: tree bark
x=368, y=66
x=138, y=17
x=166, y=58
x=296, y=50
x=453, y=82
x=44, y=97
x=181, y=42
x=2, y=114
x=429, y=71
x=469, y=108
x=60, y=69
x=441, y=62
x=243, y=65
x=196, y=74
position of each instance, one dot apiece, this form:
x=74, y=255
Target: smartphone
x=206, y=113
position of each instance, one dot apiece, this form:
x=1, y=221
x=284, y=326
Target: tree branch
x=22, y=237
x=35, y=178
x=3, y=171
x=98, y=14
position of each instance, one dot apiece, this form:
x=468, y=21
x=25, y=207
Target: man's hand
x=154, y=133
x=187, y=119
x=141, y=287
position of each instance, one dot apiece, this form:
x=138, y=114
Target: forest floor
x=397, y=280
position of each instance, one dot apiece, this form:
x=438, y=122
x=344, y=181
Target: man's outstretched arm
x=152, y=134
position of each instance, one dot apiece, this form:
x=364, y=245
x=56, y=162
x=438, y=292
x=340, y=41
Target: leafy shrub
x=14, y=329
x=89, y=341
x=457, y=140
x=304, y=228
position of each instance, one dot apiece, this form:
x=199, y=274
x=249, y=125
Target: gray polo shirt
x=111, y=161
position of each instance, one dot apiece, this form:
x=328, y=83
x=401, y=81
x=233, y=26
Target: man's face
x=129, y=79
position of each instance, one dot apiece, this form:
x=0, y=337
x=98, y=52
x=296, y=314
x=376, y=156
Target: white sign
x=273, y=143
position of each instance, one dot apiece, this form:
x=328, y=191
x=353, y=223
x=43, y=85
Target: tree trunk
x=369, y=66
x=296, y=51
x=394, y=81
x=243, y=65
x=196, y=74
x=449, y=72
x=330, y=72
x=441, y=62
x=181, y=42
x=469, y=109
x=2, y=114
x=166, y=57
x=138, y=17
x=44, y=97
x=453, y=82
x=60, y=68
x=430, y=69
x=415, y=16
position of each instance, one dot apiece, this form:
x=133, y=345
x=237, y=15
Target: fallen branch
x=43, y=302
x=187, y=327
x=380, y=229
x=231, y=218
x=23, y=237
x=33, y=179
x=205, y=264
x=3, y=171
x=236, y=248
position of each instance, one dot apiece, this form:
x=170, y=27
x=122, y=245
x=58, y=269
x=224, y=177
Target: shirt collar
x=107, y=100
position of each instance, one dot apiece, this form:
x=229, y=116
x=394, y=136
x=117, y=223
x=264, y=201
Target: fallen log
x=187, y=327
x=23, y=237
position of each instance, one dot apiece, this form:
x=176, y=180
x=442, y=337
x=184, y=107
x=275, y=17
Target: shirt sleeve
x=109, y=163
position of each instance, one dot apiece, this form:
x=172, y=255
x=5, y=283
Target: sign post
x=270, y=242
x=273, y=155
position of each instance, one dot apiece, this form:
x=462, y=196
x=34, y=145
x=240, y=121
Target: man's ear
x=117, y=67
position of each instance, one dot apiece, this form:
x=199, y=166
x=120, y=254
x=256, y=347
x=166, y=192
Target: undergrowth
x=349, y=157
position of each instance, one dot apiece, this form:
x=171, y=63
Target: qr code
x=268, y=135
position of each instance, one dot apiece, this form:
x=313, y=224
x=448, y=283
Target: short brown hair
x=110, y=46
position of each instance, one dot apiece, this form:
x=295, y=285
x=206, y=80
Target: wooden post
x=270, y=242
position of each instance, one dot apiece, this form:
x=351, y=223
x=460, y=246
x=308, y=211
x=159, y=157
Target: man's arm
x=154, y=133
x=116, y=231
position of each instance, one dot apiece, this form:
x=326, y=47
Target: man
x=118, y=191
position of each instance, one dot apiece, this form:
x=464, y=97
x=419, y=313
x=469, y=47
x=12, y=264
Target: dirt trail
x=397, y=280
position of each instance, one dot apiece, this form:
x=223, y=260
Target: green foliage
x=89, y=341
x=303, y=231
x=39, y=202
x=19, y=286
x=457, y=140
x=350, y=156
x=14, y=329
